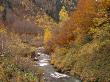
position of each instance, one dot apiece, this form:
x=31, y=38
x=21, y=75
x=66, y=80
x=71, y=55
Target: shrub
x=15, y=62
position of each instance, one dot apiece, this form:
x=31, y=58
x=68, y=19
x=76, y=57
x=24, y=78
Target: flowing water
x=50, y=74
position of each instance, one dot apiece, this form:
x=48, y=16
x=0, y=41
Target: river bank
x=50, y=74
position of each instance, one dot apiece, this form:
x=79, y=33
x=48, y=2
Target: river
x=50, y=74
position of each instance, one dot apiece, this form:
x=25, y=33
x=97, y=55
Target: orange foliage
x=82, y=16
x=79, y=22
x=104, y=3
x=64, y=36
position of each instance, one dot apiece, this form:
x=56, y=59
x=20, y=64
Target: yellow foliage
x=44, y=21
x=104, y=3
x=1, y=8
x=63, y=14
x=2, y=29
x=47, y=35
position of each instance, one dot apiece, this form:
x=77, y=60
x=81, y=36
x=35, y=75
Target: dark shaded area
x=13, y=17
x=53, y=7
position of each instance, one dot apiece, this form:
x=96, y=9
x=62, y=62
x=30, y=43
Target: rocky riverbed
x=50, y=74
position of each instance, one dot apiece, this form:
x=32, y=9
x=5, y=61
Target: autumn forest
x=54, y=40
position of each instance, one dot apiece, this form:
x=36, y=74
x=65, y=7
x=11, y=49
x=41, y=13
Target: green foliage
x=88, y=54
x=11, y=73
x=99, y=21
x=15, y=59
x=58, y=56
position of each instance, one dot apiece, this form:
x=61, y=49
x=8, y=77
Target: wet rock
x=33, y=55
x=35, y=59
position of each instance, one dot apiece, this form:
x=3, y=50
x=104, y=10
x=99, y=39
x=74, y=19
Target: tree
x=63, y=14
x=80, y=20
x=104, y=3
x=82, y=16
x=47, y=35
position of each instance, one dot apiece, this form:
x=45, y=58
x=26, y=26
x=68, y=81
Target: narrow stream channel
x=50, y=75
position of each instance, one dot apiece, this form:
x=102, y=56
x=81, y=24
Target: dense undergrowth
x=16, y=64
x=81, y=45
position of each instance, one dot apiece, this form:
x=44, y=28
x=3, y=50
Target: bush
x=15, y=59
x=88, y=51
x=11, y=73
